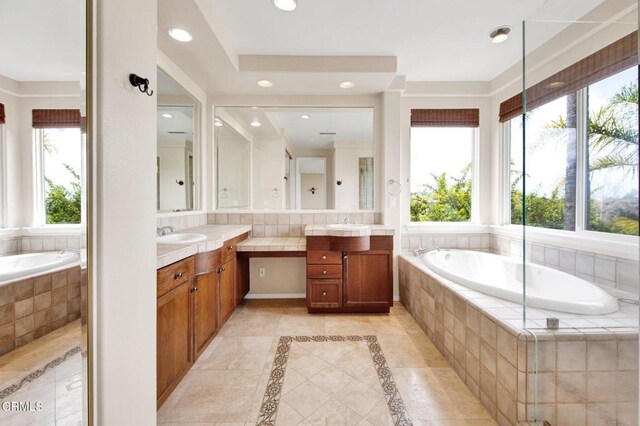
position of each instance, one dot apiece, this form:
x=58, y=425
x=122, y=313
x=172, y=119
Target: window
x=566, y=165
x=550, y=193
x=612, y=152
x=441, y=171
x=61, y=158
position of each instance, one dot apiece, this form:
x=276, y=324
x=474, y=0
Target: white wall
x=346, y=163
x=123, y=263
x=309, y=200
x=173, y=167
x=234, y=173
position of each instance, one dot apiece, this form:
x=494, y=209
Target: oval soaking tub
x=14, y=268
x=501, y=276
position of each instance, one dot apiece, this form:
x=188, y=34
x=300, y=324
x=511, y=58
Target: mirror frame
x=374, y=102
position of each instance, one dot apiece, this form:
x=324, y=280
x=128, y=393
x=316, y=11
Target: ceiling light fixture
x=555, y=84
x=179, y=34
x=305, y=116
x=166, y=115
x=286, y=5
x=265, y=83
x=346, y=85
x=500, y=34
x=256, y=123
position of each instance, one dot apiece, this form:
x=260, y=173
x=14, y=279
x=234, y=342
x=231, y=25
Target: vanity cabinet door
x=173, y=338
x=368, y=280
x=227, y=277
x=205, y=321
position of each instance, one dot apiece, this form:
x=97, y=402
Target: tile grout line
x=38, y=373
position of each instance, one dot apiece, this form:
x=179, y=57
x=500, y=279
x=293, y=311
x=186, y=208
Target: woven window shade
x=616, y=57
x=2, y=114
x=56, y=118
x=445, y=117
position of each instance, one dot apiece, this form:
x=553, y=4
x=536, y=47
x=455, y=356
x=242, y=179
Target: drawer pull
x=324, y=257
x=324, y=272
x=324, y=293
x=229, y=247
x=178, y=275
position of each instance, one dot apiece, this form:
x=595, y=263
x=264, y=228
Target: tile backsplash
x=183, y=221
x=288, y=224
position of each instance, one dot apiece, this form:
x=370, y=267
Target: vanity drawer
x=173, y=275
x=230, y=247
x=324, y=293
x=324, y=258
x=324, y=271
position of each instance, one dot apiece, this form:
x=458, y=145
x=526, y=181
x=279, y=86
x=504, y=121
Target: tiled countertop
x=321, y=230
x=274, y=244
x=216, y=236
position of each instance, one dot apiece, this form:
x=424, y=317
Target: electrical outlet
x=262, y=272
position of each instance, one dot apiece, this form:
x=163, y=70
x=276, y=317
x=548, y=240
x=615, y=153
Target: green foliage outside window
x=62, y=205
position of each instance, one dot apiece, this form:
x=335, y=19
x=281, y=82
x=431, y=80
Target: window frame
x=475, y=201
x=581, y=233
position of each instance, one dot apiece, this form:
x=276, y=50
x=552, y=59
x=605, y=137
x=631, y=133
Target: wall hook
x=141, y=83
x=313, y=191
x=339, y=182
x=180, y=182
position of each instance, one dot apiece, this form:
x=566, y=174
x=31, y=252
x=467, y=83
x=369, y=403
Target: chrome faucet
x=161, y=232
x=346, y=220
x=420, y=250
x=68, y=250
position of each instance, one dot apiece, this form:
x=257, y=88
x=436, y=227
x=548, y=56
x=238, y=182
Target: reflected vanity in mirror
x=177, y=141
x=43, y=167
x=279, y=158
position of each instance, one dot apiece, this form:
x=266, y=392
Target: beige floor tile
x=331, y=379
x=287, y=416
x=306, y=398
x=334, y=413
x=359, y=397
x=238, y=353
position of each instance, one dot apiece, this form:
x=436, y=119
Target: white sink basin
x=348, y=227
x=180, y=238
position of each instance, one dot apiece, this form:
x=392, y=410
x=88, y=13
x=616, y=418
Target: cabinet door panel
x=206, y=311
x=227, y=289
x=367, y=280
x=173, y=338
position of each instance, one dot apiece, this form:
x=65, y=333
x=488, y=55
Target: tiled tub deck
x=586, y=372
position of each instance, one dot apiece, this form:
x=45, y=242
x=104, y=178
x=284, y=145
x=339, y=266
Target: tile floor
x=323, y=385
x=60, y=388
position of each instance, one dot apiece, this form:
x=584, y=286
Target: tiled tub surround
x=34, y=307
x=289, y=224
x=607, y=271
x=216, y=236
x=10, y=245
x=21, y=244
x=587, y=372
x=465, y=241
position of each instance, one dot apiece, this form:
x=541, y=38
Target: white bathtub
x=501, y=276
x=22, y=266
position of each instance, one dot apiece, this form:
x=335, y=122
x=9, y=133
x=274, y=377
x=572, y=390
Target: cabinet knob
x=324, y=257
x=178, y=275
x=324, y=293
x=229, y=247
x=324, y=272
x=344, y=257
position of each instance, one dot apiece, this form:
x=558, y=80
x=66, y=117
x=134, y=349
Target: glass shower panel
x=577, y=194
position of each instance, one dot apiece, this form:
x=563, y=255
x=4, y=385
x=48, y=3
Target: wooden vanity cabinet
x=357, y=279
x=205, y=300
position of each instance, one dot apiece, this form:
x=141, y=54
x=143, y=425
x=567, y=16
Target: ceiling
x=350, y=125
x=42, y=40
x=179, y=127
x=372, y=43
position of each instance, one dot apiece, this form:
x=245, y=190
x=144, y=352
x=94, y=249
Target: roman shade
x=445, y=117
x=614, y=58
x=2, y=114
x=56, y=118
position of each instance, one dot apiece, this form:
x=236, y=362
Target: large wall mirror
x=178, y=113
x=43, y=213
x=294, y=158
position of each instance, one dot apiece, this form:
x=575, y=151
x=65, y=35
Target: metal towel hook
x=141, y=83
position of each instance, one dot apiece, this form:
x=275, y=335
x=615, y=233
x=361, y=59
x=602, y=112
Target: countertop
x=216, y=236
x=322, y=230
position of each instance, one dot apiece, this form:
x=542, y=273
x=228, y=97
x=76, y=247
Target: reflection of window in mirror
x=177, y=146
x=320, y=147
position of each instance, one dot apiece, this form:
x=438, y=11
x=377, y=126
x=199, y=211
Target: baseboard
x=276, y=296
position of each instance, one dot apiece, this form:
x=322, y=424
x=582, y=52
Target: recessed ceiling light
x=305, y=116
x=265, y=83
x=346, y=85
x=256, y=123
x=286, y=5
x=555, y=84
x=166, y=115
x=500, y=34
x=180, y=34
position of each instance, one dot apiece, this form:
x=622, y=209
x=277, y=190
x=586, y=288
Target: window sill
x=624, y=246
x=53, y=230
x=445, y=228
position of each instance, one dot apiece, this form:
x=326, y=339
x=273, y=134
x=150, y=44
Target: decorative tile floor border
x=38, y=373
x=271, y=399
